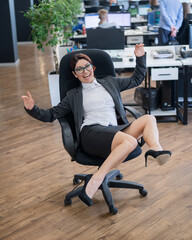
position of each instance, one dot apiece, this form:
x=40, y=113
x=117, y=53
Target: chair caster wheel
x=113, y=210
x=119, y=176
x=67, y=201
x=143, y=192
x=76, y=181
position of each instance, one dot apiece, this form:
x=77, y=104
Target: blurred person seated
x=103, y=16
x=112, y=2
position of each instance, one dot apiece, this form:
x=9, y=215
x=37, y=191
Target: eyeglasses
x=81, y=70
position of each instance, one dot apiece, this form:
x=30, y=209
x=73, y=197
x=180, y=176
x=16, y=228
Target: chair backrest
x=110, y=38
x=100, y=59
x=67, y=81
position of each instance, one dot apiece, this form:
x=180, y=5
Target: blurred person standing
x=170, y=20
x=183, y=34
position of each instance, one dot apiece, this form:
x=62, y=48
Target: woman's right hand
x=28, y=101
x=139, y=50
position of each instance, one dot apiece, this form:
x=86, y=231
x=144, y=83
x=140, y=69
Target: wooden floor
x=36, y=173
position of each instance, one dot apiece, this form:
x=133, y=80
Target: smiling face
x=84, y=66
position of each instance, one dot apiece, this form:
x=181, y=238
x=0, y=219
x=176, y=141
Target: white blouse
x=98, y=105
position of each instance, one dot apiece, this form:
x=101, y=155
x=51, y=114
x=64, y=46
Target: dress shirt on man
x=171, y=14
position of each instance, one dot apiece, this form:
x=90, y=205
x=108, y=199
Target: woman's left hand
x=139, y=50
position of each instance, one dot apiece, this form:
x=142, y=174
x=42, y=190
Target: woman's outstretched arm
x=45, y=115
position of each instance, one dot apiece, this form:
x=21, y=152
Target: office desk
x=135, y=21
x=128, y=53
x=139, y=35
x=158, y=70
x=132, y=36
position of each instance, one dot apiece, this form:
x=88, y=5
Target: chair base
x=109, y=182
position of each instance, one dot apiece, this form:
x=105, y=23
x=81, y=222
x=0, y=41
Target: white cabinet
x=164, y=74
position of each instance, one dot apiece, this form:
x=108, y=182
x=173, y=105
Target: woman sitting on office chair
x=101, y=133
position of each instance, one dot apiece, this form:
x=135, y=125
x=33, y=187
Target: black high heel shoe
x=161, y=156
x=83, y=196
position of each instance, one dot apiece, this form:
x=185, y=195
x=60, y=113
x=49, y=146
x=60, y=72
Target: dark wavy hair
x=77, y=57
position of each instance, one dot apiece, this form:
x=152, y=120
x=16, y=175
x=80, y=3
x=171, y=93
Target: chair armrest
x=67, y=136
x=136, y=114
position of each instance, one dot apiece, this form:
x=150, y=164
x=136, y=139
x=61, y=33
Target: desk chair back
x=100, y=59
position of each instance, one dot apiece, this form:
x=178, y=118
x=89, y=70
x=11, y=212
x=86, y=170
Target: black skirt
x=96, y=139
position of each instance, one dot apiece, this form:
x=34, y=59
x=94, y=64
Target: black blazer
x=73, y=102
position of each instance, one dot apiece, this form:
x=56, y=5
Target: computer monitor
x=124, y=4
x=115, y=8
x=133, y=8
x=79, y=24
x=157, y=16
x=110, y=38
x=142, y=2
x=143, y=10
x=93, y=9
x=87, y=2
x=122, y=19
x=91, y=20
x=153, y=17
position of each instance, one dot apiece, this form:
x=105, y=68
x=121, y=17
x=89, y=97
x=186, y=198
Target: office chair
x=104, y=67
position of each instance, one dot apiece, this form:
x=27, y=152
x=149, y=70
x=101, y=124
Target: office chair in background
x=113, y=178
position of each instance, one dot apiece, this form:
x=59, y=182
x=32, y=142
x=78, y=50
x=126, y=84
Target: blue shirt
x=171, y=14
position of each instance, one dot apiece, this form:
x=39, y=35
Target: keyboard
x=117, y=59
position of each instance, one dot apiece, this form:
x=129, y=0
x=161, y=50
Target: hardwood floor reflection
x=36, y=173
